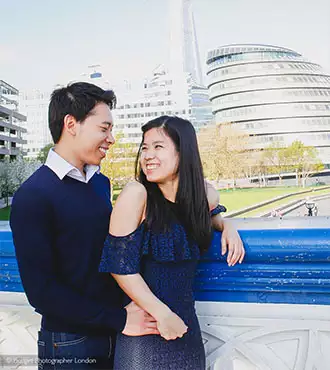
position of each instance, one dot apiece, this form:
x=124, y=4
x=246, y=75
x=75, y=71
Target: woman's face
x=159, y=158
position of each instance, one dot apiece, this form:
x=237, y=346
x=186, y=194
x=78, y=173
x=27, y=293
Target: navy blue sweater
x=59, y=228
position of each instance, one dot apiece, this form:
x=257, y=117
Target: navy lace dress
x=167, y=262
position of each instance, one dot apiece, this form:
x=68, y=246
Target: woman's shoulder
x=130, y=206
x=212, y=195
x=134, y=193
x=134, y=188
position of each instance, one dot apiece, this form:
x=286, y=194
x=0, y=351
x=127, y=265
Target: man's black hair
x=77, y=99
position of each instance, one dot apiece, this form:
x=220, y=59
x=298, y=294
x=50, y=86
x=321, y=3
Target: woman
x=159, y=227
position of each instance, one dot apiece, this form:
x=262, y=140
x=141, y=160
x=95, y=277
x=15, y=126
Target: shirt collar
x=63, y=168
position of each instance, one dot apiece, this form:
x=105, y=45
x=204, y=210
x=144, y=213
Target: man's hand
x=139, y=322
x=230, y=240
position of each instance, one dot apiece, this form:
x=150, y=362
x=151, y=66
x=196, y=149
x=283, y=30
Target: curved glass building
x=271, y=93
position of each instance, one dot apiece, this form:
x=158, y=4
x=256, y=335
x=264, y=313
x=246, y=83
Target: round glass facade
x=271, y=93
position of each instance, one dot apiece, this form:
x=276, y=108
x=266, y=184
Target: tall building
x=11, y=130
x=34, y=104
x=184, y=51
x=271, y=93
x=162, y=94
x=156, y=97
x=173, y=90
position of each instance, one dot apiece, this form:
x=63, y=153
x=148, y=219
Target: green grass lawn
x=235, y=199
x=241, y=198
x=4, y=214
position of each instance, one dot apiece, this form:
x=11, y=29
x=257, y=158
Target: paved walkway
x=323, y=206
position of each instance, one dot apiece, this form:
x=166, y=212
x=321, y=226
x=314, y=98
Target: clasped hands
x=165, y=322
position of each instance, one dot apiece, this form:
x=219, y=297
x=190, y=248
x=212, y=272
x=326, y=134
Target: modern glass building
x=175, y=90
x=34, y=104
x=11, y=130
x=162, y=94
x=183, y=43
x=272, y=93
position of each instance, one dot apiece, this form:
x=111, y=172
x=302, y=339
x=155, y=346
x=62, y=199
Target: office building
x=12, y=132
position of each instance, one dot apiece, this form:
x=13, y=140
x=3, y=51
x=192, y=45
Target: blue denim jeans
x=74, y=351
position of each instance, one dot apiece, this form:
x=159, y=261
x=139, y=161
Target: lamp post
x=310, y=205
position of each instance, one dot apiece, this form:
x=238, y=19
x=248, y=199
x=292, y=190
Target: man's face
x=94, y=135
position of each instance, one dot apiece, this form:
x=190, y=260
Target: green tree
x=259, y=168
x=21, y=169
x=13, y=174
x=119, y=163
x=223, y=152
x=6, y=184
x=275, y=160
x=42, y=156
x=303, y=160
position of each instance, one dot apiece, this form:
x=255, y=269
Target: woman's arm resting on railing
x=230, y=239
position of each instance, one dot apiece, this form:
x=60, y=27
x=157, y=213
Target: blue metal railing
x=9, y=275
x=281, y=266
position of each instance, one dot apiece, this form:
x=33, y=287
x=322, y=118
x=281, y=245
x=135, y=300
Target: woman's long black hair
x=191, y=195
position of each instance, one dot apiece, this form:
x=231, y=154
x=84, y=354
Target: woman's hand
x=170, y=325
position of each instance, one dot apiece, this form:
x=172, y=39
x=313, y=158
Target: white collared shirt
x=63, y=168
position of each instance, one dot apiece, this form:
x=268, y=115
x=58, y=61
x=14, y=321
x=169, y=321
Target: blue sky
x=47, y=42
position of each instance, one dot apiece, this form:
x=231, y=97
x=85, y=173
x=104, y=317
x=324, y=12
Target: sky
x=43, y=43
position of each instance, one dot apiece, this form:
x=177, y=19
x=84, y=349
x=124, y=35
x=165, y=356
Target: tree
x=303, y=160
x=260, y=169
x=21, y=169
x=42, y=156
x=6, y=184
x=119, y=163
x=275, y=160
x=223, y=152
x=13, y=174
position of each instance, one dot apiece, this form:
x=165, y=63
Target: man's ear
x=70, y=125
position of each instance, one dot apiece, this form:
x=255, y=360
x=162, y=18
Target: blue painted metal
x=281, y=266
x=10, y=280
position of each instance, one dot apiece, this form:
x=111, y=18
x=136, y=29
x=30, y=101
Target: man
x=59, y=219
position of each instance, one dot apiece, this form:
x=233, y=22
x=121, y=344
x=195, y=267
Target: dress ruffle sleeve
x=122, y=254
x=218, y=209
